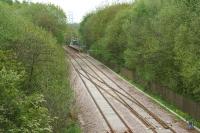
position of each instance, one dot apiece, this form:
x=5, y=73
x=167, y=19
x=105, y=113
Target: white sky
x=79, y=8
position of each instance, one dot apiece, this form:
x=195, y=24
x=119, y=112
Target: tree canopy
x=158, y=40
x=35, y=92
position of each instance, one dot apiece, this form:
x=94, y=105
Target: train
x=75, y=44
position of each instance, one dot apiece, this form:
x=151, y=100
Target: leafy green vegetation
x=158, y=40
x=49, y=17
x=93, y=27
x=35, y=91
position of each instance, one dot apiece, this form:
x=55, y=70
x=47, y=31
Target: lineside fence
x=181, y=102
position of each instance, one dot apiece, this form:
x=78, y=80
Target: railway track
x=121, y=100
x=106, y=120
x=122, y=96
x=131, y=98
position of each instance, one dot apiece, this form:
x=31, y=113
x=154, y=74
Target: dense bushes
x=35, y=93
x=94, y=25
x=19, y=112
x=49, y=17
x=157, y=40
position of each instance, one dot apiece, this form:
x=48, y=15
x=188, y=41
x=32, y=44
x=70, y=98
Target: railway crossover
x=120, y=110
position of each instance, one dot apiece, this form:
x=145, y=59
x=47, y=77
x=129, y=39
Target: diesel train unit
x=75, y=44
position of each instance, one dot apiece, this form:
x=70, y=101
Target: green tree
x=49, y=17
x=157, y=40
x=18, y=112
x=7, y=1
x=42, y=96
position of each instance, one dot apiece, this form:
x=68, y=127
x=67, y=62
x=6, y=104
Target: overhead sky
x=76, y=9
